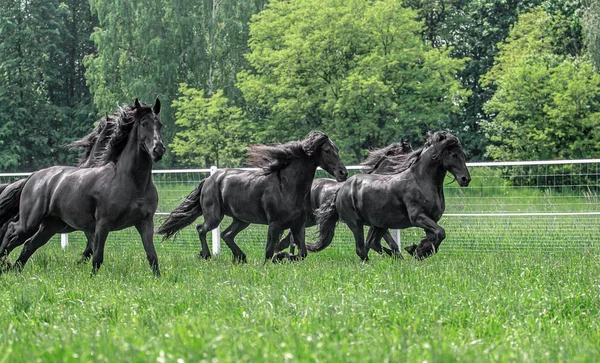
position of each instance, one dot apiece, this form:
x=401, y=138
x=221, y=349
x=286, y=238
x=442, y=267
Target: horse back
x=253, y=197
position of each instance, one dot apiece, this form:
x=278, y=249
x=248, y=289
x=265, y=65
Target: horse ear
x=156, y=107
x=137, y=103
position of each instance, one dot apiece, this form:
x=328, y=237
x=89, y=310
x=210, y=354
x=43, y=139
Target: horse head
x=149, y=129
x=326, y=153
x=452, y=156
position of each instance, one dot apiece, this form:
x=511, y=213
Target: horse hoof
x=239, y=259
x=204, y=256
x=412, y=250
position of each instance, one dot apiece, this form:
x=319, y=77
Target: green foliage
x=358, y=70
x=146, y=48
x=43, y=99
x=591, y=24
x=547, y=105
x=212, y=131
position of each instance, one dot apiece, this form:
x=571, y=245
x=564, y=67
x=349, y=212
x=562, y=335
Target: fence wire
x=507, y=206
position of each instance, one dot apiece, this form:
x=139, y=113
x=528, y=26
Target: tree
x=212, y=131
x=591, y=24
x=146, y=48
x=359, y=70
x=547, y=104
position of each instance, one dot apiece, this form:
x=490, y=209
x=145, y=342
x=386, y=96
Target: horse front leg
x=299, y=239
x=273, y=237
x=100, y=236
x=430, y=244
x=146, y=231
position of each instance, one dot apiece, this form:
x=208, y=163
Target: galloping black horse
x=377, y=162
x=116, y=192
x=277, y=195
x=413, y=196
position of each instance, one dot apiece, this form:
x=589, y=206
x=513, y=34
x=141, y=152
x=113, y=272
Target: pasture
x=504, y=288
x=331, y=307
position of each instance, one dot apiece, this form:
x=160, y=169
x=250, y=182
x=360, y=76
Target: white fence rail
x=544, y=204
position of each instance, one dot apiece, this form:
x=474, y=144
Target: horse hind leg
x=208, y=225
x=228, y=236
x=47, y=229
x=362, y=249
x=394, y=249
x=87, y=252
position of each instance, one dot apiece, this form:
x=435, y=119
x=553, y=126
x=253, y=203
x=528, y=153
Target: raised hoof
x=412, y=250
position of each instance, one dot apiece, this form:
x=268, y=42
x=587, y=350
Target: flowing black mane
x=272, y=158
x=377, y=156
x=108, y=139
x=439, y=141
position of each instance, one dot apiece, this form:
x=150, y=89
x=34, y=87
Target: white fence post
x=64, y=241
x=396, y=235
x=216, y=233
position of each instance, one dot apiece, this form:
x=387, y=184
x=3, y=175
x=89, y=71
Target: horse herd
x=112, y=189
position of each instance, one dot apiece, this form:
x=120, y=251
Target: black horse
x=92, y=145
x=413, y=196
x=377, y=162
x=277, y=195
x=115, y=192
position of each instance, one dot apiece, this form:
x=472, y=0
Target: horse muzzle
x=464, y=180
x=341, y=174
x=157, y=152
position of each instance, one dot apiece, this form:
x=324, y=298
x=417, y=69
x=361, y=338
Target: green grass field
x=496, y=306
x=502, y=288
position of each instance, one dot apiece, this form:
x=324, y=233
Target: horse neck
x=430, y=170
x=135, y=164
x=299, y=174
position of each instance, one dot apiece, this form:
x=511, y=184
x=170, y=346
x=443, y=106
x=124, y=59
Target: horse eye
x=327, y=151
x=144, y=124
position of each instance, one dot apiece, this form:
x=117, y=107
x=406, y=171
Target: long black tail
x=11, y=200
x=184, y=215
x=327, y=217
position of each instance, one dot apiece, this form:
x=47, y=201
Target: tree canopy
x=358, y=70
x=513, y=79
x=547, y=104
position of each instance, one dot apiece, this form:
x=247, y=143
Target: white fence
x=509, y=205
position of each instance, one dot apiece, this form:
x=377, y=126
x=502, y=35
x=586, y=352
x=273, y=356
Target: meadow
x=502, y=288
x=496, y=306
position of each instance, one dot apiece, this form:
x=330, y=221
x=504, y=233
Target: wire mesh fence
x=543, y=205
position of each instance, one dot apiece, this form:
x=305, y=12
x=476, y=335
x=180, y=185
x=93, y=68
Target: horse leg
x=435, y=236
x=228, y=236
x=146, y=231
x=298, y=233
x=374, y=239
x=273, y=237
x=395, y=249
x=87, y=253
x=284, y=243
x=15, y=236
x=98, y=246
x=213, y=215
x=362, y=250
x=47, y=229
